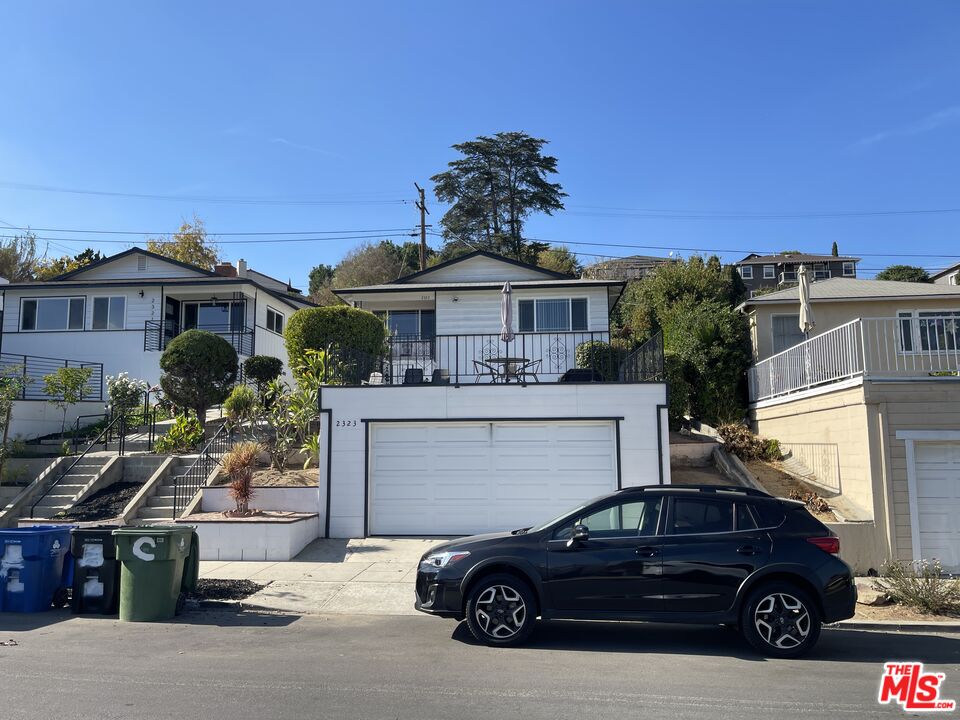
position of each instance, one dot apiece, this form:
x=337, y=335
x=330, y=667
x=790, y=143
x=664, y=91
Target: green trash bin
x=158, y=563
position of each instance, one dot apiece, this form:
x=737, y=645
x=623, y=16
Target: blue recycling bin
x=33, y=571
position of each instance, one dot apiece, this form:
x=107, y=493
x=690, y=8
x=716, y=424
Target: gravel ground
x=105, y=504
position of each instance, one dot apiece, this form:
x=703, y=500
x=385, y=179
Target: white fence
x=918, y=344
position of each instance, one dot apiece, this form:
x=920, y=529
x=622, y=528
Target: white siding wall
x=267, y=341
x=478, y=312
x=640, y=456
x=482, y=269
x=126, y=268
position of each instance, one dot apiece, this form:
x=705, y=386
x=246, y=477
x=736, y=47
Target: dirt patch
x=897, y=613
x=268, y=477
x=778, y=483
x=209, y=589
x=104, y=504
x=698, y=476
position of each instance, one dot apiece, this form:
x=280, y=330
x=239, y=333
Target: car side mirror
x=579, y=534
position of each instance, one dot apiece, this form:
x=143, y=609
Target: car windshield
x=566, y=513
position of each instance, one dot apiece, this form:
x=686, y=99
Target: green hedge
x=199, y=368
x=262, y=368
x=318, y=328
x=604, y=357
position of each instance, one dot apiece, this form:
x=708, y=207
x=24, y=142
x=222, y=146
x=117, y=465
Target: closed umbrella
x=807, y=321
x=506, y=313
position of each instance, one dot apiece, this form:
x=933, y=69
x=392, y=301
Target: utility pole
x=422, y=206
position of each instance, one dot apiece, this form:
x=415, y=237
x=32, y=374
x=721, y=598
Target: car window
x=745, y=519
x=695, y=515
x=769, y=514
x=626, y=519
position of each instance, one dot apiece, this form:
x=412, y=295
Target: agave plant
x=239, y=463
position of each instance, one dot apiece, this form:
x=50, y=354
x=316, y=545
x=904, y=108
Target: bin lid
x=153, y=542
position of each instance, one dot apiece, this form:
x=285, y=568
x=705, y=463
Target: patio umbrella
x=506, y=313
x=807, y=321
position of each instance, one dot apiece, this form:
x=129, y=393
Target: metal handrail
x=199, y=469
x=119, y=419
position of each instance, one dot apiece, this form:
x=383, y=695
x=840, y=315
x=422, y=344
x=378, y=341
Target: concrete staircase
x=159, y=506
x=64, y=493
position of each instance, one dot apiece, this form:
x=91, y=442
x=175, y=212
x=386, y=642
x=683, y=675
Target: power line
x=659, y=214
x=225, y=199
x=217, y=234
x=263, y=241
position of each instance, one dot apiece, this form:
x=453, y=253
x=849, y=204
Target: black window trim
x=283, y=320
x=39, y=298
x=621, y=500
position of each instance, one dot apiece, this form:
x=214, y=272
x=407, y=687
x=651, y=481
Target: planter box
x=274, y=536
x=290, y=499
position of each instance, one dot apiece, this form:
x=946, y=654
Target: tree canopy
x=18, y=257
x=199, y=368
x=496, y=184
x=189, y=245
x=52, y=267
x=368, y=264
x=560, y=259
x=904, y=273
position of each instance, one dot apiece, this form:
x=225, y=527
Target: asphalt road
x=225, y=666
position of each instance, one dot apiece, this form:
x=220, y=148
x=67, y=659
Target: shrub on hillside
x=745, y=445
x=604, y=357
x=199, y=368
x=261, y=369
x=241, y=405
x=342, y=325
x=920, y=585
x=184, y=435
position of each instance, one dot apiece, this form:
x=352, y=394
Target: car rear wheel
x=501, y=610
x=780, y=620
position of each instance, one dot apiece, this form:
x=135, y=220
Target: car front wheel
x=780, y=620
x=501, y=610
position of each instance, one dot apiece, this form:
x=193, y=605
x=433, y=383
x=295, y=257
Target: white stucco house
x=118, y=314
x=458, y=431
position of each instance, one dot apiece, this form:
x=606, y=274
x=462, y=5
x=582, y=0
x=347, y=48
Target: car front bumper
x=436, y=595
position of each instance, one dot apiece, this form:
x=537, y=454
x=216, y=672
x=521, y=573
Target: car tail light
x=827, y=544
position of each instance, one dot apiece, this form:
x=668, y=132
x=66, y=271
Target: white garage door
x=938, y=502
x=462, y=478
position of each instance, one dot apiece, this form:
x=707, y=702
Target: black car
x=690, y=554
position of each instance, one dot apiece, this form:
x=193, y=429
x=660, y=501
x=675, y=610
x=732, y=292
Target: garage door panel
x=938, y=502
x=481, y=477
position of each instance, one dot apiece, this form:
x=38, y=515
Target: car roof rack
x=714, y=489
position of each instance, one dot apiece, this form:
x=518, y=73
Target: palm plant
x=239, y=463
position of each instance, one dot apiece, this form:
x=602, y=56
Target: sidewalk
x=371, y=576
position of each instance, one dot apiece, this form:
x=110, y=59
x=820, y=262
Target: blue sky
x=688, y=109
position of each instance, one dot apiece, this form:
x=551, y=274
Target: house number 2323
x=346, y=423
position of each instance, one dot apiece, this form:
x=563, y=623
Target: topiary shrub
x=318, y=328
x=199, y=368
x=261, y=369
x=604, y=357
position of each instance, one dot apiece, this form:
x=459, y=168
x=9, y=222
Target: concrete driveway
x=372, y=576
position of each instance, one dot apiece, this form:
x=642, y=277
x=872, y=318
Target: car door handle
x=647, y=551
x=747, y=550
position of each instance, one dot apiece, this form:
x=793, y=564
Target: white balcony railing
x=922, y=345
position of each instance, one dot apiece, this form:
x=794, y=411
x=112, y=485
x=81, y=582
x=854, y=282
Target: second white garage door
x=938, y=502
x=455, y=478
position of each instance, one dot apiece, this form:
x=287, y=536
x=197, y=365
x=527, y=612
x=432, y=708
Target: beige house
x=869, y=405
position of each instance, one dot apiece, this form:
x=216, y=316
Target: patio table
x=509, y=364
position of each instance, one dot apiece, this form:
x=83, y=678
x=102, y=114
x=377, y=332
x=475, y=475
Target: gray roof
x=419, y=287
x=945, y=271
x=856, y=289
x=794, y=258
x=625, y=268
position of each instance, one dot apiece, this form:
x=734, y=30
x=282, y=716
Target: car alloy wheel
x=782, y=621
x=500, y=611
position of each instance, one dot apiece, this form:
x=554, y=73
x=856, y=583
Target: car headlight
x=442, y=559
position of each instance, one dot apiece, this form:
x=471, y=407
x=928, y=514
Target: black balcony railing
x=486, y=358
x=33, y=368
x=157, y=334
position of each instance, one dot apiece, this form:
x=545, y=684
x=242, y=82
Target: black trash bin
x=96, y=572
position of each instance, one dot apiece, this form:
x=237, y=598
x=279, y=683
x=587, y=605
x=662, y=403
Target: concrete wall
x=293, y=499
x=642, y=456
x=830, y=315
x=35, y=418
x=251, y=540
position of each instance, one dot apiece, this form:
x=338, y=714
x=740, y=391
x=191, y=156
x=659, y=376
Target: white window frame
x=283, y=320
x=769, y=272
x=569, y=300
x=853, y=269
x=109, y=299
x=746, y=272
x=913, y=316
x=68, y=298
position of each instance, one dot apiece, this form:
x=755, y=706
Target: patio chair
x=529, y=369
x=440, y=377
x=413, y=376
x=481, y=369
x=376, y=378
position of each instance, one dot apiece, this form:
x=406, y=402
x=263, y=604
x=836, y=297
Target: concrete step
x=156, y=513
x=160, y=501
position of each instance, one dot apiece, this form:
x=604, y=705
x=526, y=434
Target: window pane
x=404, y=322
x=579, y=312
x=553, y=315
x=769, y=514
x=279, y=324
x=29, y=319
x=622, y=520
x=525, y=308
x=52, y=314
x=117, y=306
x=906, y=332
x=238, y=313
x=745, y=520
x=214, y=317
x=694, y=515
x=76, y=314
x=428, y=323
x=101, y=309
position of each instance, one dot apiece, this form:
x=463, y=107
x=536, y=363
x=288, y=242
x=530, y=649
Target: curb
x=897, y=625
